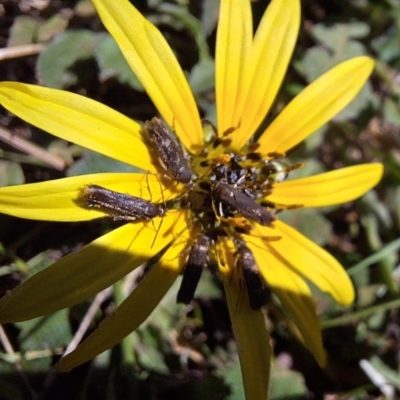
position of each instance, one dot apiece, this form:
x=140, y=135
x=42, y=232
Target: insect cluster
x=224, y=196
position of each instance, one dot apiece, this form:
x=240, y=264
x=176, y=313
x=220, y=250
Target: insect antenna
x=162, y=218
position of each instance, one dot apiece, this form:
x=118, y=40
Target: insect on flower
x=257, y=291
x=197, y=261
x=169, y=153
x=122, y=206
x=237, y=201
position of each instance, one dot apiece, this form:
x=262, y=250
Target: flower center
x=226, y=195
x=229, y=190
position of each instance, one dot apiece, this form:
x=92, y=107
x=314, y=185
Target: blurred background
x=189, y=352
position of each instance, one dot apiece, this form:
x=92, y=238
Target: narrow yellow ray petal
x=292, y=291
x=150, y=57
x=234, y=40
x=310, y=261
x=81, y=275
x=316, y=105
x=302, y=309
x=334, y=187
x=132, y=312
x=79, y=120
x=249, y=327
x=61, y=199
x=272, y=50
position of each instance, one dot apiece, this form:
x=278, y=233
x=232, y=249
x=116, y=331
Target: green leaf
x=112, y=64
x=41, y=338
x=391, y=111
x=211, y=388
x=203, y=76
x=54, y=26
x=49, y=332
x=23, y=31
x=55, y=61
x=93, y=162
x=148, y=345
x=338, y=45
x=335, y=36
x=286, y=383
x=387, y=47
x=11, y=173
x=40, y=261
x=233, y=378
x=208, y=19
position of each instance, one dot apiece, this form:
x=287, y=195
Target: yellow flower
x=249, y=72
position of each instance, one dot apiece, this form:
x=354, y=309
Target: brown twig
x=31, y=148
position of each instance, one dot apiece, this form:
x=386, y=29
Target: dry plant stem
x=378, y=379
x=9, y=350
x=6, y=343
x=32, y=149
x=83, y=327
x=80, y=332
x=20, y=51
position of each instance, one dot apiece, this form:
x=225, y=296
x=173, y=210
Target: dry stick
x=9, y=350
x=32, y=149
x=84, y=325
x=6, y=343
x=20, y=51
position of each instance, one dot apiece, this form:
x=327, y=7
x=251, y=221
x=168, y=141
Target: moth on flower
x=122, y=206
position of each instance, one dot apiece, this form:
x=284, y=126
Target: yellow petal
x=81, y=275
x=249, y=327
x=132, y=312
x=272, y=50
x=316, y=105
x=307, y=259
x=61, y=199
x=302, y=309
x=292, y=291
x=334, y=187
x=79, y=120
x=150, y=57
x=234, y=40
